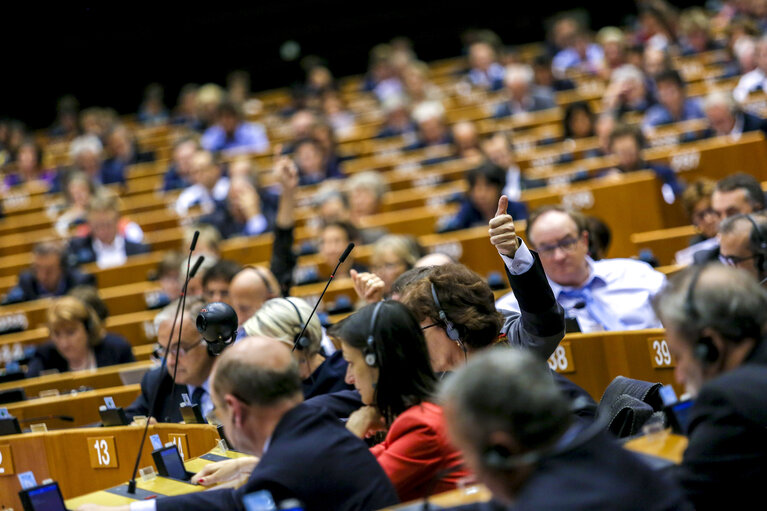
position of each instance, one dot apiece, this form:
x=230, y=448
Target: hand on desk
x=225, y=473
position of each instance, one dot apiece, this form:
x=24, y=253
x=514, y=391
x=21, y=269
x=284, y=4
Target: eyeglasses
x=429, y=326
x=735, y=260
x=567, y=245
x=159, y=351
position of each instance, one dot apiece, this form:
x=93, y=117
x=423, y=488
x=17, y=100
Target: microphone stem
x=306, y=323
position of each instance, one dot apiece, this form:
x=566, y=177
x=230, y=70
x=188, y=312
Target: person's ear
x=235, y=407
x=585, y=237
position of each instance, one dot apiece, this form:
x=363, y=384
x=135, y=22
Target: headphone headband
x=370, y=355
x=303, y=342
x=450, y=329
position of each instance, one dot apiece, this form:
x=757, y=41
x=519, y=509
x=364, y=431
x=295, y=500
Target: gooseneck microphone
x=341, y=259
x=179, y=308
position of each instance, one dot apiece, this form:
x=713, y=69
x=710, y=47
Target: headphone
x=450, y=328
x=705, y=350
x=757, y=238
x=371, y=358
x=217, y=322
x=303, y=342
x=267, y=285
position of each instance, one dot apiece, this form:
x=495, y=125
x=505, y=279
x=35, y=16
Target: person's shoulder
x=115, y=342
x=423, y=417
x=624, y=268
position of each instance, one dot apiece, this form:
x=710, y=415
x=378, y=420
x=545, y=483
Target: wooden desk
x=70, y=457
x=664, y=445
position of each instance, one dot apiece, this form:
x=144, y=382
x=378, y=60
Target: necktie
x=197, y=396
x=597, y=311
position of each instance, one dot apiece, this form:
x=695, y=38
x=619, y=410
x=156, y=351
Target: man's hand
x=365, y=421
x=285, y=170
x=502, y=233
x=368, y=286
x=224, y=471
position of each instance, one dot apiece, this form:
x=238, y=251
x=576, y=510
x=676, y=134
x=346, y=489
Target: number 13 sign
x=102, y=452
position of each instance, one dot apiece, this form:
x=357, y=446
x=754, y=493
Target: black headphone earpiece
x=761, y=243
x=371, y=358
x=706, y=351
x=303, y=342
x=450, y=329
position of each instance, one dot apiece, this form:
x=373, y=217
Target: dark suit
x=340, y=404
x=29, y=288
x=705, y=256
x=111, y=351
x=223, y=220
x=596, y=473
x=82, y=251
x=750, y=123
x=725, y=463
x=328, y=377
x=311, y=457
x=470, y=216
x=166, y=408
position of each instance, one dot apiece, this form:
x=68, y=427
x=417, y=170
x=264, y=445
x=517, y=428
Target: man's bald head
x=257, y=370
x=249, y=289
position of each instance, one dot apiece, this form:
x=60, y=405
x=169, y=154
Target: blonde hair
x=405, y=248
x=278, y=319
x=71, y=309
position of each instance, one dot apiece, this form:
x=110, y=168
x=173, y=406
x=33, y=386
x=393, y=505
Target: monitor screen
x=173, y=464
x=46, y=498
x=682, y=413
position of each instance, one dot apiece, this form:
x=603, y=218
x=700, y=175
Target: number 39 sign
x=660, y=355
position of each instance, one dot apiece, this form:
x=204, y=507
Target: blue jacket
x=311, y=457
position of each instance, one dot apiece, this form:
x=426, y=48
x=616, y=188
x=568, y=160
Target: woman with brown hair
x=77, y=341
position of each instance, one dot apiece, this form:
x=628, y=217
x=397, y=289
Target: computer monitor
x=114, y=417
x=169, y=463
x=46, y=497
x=9, y=426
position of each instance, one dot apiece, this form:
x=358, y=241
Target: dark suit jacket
x=750, y=123
x=725, y=464
x=469, y=215
x=311, y=457
x=596, y=474
x=29, y=288
x=221, y=218
x=328, y=377
x=166, y=408
x=340, y=404
x=81, y=249
x=706, y=256
x=113, y=350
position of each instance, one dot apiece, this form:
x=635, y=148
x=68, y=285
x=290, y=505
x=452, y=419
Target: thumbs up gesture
x=502, y=233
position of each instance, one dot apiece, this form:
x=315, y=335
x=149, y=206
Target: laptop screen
x=173, y=464
x=46, y=498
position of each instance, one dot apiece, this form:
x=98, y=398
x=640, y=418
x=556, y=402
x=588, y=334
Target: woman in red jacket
x=389, y=365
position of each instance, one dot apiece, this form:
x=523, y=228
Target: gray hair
x=85, y=143
x=369, y=180
x=720, y=98
x=510, y=390
x=727, y=300
x=191, y=310
x=519, y=73
x=278, y=319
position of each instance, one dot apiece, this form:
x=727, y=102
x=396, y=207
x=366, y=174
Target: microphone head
x=194, y=241
x=67, y=418
x=346, y=253
x=217, y=322
x=196, y=267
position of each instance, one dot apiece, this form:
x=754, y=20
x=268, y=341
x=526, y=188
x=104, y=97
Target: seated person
x=28, y=167
x=397, y=120
x=191, y=368
x=333, y=239
x=389, y=366
x=194, y=287
x=282, y=319
x=310, y=456
x=210, y=185
x=696, y=200
x=232, y=134
x=51, y=275
x=627, y=143
x=756, y=79
x=736, y=194
x=673, y=103
x=123, y=149
x=78, y=192
x=105, y=245
x=366, y=191
x=77, y=342
x=521, y=96
x=216, y=280
x=578, y=53
x=311, y=159
x=167, y=274
x=725, y=117
x=715, y=319
x=207, y=242
x=466, y=140
x=249, y=289
x=518, y=435
x=742, y=241
x=87, y=153
x=393, y=255
x=479, y=205
x=627, y=91
x=89, y=295
x=333, y=205
x=179, y=173
x=611, y=294
x=500, y=151
x=429, y=116
x=578, y=121
x=484, y=70
x=544, y=76
x=246, y=211
x=126, y=227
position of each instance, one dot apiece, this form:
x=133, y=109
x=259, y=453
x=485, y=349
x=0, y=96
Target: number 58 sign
x=102, y=452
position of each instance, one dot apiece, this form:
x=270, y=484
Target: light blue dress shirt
x=616, y=296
